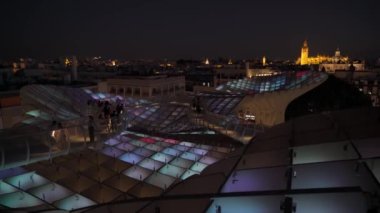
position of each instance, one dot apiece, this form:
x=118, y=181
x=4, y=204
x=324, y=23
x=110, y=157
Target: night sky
x=188, y=29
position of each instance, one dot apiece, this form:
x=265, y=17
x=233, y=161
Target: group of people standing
x=108, y=115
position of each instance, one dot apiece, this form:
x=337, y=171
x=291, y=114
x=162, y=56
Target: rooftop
x=303, y=163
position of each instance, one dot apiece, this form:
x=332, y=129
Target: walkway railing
x=18, y=147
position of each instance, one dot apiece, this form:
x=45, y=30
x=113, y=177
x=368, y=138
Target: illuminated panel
x=198, y=167
x=171, y=141
x=137, y=172
x=188, y=174
x=324, y=152
x=181, y=148
x=256, y=204
x=163, y=144
x=331, y=203
x=126, y=147
x=27, y=181
x=130, y=136
x=171, y=151
x=188, y=144
x=256, y=180
x=112, y=152
x=198, y=151
x=50, y=192
x=208, y=160
x=171, y=170
x=19, y=200
x=158, y=139
x=137, y=143
x=12, y=172
x=154, y=147
x=332, y=174
x=148, y=140
x=160, y=180
x=112, y=142
x=74, y=202
x=260, y=84
x=6, y=188
x=131, y=158
x=180, y=162
x=278, y=157
x=162, y=157
x=151, y=164
x=205, y=147
x=143, y=152
x=190, y=156
x=125, y=138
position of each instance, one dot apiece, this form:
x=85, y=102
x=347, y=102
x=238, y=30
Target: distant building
x=144, y=87
x=213, y=76
x=200, y=76
x=305, y=59
x=207, y=62
x=332, y=67
x=264, y=61
x=259, y=71
x=304, y=54
x=329, y=64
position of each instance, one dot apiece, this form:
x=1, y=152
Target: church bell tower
x=304, y=53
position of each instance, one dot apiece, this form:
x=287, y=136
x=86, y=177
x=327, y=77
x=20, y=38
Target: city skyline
x=196, y=29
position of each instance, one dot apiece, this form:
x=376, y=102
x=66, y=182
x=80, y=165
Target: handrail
x=23, y=134
x=44, y=145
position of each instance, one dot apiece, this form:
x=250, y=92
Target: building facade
x=329, y=64
x=305, y=59
x=144, y=87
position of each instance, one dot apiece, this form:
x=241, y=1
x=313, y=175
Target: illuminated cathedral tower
x=305, y=54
